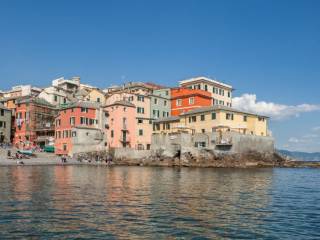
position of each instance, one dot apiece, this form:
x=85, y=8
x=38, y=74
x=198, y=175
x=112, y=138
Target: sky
x=268, y=50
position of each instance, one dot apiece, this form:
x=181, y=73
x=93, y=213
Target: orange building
x=80, y=115
x=34, y=122
x=185, y=99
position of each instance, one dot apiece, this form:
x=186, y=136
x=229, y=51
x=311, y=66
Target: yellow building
x=214, y=119
x=96, y=95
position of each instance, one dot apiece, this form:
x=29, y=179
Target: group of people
x=108, y=159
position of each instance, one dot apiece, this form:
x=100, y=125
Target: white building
x=220, y=92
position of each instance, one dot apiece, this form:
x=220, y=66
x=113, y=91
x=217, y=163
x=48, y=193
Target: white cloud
x=293, y=140
x=309, y=142
x=316, y=129
x=249, y=103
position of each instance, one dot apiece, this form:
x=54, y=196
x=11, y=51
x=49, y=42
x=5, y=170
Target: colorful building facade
x=221, y=93
x=160, y=101
x=34, y=122
x=185, y=99
x=212, y=119
x=74, y=119
x=121, y=125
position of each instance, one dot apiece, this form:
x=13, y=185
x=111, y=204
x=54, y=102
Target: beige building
x=220, y=92
x=95, y=95
x=214, y=119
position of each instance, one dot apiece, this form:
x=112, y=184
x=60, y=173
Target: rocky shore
x=247, y=160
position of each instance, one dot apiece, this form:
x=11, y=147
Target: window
x=165, y=103
x=140, y=120
x=124, y=109
x=140, y=98
x=206, y=87
x=191, y=100
x=130, y=99
x=260, y=119
x=192, y=119
x=72, y=121
x=229, y=94
x=229, y=116
x=203, y=130
x=2, y=112
x=64, y=147
x=213, y=89
x=98, y=100
x=74, y=134
x=140, y=132
x=167, y=93
x=82, y=120
x=55, y=98
x=213, y=116
x=140, y=147
x=156, y=127
x=64, y=100
x=58, y=122
x=155, y=101
x=245, y=118
x=112, y=134
x=84, y=109
x=178, y=102
x=140, y=110
x=202, y=117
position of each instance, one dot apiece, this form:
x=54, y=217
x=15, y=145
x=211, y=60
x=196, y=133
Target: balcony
x=124, y=128
x=223, y=141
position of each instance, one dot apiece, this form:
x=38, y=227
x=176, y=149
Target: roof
x=202, y=78
x=121, y=102
x=82, y=92
x=213, y=108
x=82, y=104
x=14, y=98
x=36, y=100
x=181, y=92
x=168, y=119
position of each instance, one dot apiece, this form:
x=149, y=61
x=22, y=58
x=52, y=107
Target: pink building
x=121, y=130
x=143, y=124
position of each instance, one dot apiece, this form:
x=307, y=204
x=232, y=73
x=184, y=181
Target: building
x=185, y=99
x=71, y=85
x=221, y=93
x=34, y=122
x=160, y=103
x=139, y=95
x=214, y=119
x=80, y=128
x=5, y=124
x=121, y=125
x=94, y=95
x=55, y=95
x=22, y=90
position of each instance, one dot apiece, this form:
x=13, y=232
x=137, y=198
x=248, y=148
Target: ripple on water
x=66, y=202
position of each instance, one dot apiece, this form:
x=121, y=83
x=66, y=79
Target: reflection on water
x=65, y=202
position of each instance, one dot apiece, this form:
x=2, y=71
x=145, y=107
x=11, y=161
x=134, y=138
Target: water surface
x=88, y=202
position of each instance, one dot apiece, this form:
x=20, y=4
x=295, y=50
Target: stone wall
x=5, y=129
x=129, y=153
x=228, y=143
x=88, y=140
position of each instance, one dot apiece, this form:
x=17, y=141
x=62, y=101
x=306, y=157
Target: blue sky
x=267, y=48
